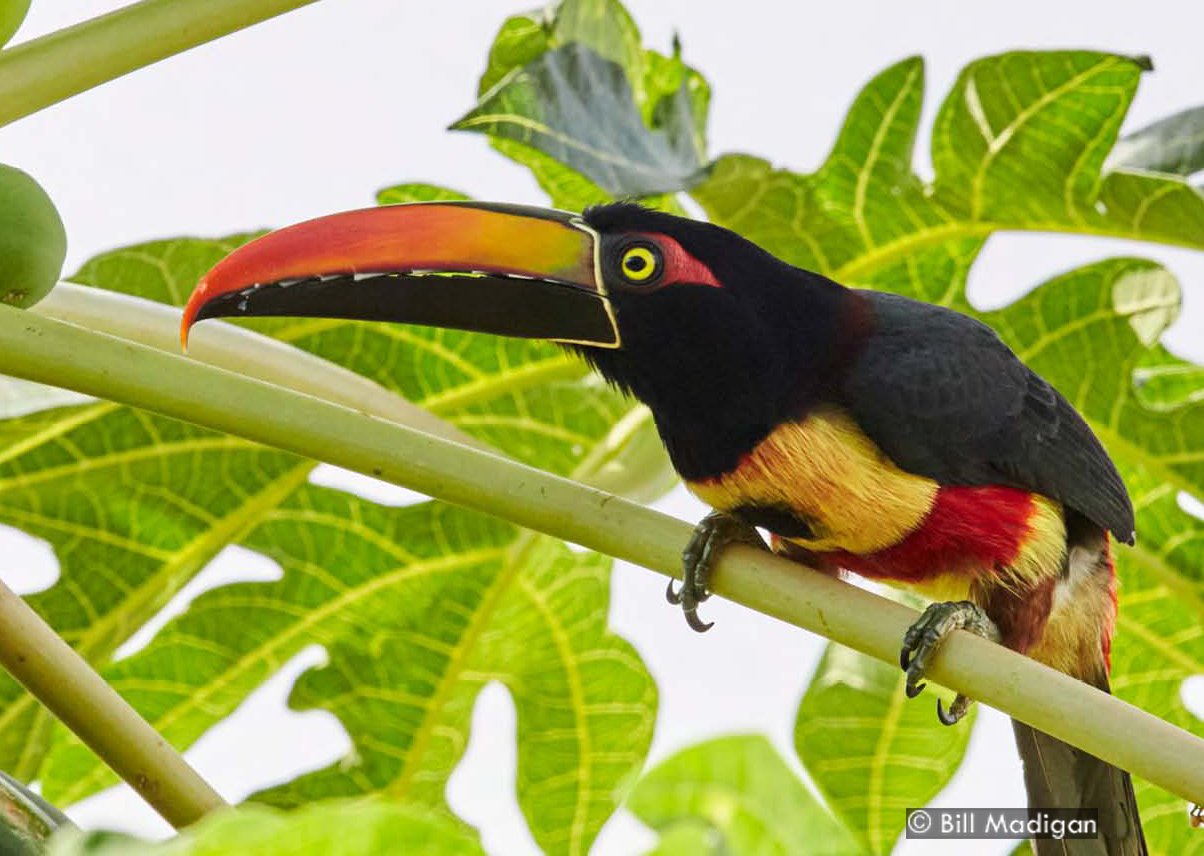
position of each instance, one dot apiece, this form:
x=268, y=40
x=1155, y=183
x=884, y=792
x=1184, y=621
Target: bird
x=864, y=432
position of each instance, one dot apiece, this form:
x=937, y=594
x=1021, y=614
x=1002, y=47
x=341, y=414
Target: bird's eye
x=640, y=263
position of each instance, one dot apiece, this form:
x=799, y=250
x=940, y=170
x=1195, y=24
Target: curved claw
x=914, y=690
x=945, y=718
x=672, y=596
x=696, y=623
x=904, y=657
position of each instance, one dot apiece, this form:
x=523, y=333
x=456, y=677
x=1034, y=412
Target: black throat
x=721, y=368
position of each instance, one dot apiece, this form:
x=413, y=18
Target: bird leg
x=711, y=535
x=925, y=637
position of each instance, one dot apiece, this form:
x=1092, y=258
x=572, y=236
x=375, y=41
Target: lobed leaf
x=1018, y=144
x=739, y=791
x=871, y=751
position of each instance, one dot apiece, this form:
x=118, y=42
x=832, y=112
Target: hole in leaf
x=30, y=565
x=482, y=788
x=264, y=742
x=231, y=565
x=1014, y=263
x=1192, y=693
x=1191, y=505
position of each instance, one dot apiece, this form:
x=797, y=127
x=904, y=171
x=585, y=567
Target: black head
x=721, y=340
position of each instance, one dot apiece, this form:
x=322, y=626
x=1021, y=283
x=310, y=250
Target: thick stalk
x=44, y=71
x=49, y=351
x=240, y=350
x=59, y=678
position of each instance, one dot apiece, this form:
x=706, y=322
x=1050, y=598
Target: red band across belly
x=975, y=529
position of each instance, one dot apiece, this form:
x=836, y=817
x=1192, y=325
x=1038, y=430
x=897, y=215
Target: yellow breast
x=831, y=475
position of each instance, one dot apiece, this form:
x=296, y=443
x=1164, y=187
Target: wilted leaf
x=1174, y=144
x=26, y=820
x=661, y=101
x=577, y=107
x=740, y=788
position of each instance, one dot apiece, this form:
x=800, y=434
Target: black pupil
x=636, y=263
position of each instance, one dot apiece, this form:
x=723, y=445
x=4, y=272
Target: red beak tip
x=195, y=301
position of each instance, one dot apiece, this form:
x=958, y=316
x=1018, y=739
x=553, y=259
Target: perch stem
x=72, y=690
x=49, y=351
x=48, y=69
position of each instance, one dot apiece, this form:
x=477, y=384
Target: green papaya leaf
x=871, y=751
x=359, y=828
x=418, y=608
x=521, y=39
x=1018, y=144
x=1174, y=145
x=741, y=790
x=12, y=14
x=688, y=839
x=604, y=26
x=417, y=192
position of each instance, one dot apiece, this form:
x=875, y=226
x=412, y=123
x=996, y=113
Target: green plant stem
x=240, y=350
x=44, y=71
x=72, y=690
x=53, y=352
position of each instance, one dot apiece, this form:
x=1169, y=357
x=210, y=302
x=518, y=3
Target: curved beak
x=512, y=270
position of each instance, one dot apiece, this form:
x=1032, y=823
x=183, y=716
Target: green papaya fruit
x=33, y=242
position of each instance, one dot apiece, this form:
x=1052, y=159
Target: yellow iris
x=639, y=264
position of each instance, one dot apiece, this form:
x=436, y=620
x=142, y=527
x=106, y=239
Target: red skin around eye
x=680, y=266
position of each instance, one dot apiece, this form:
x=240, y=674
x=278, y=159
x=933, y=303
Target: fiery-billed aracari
x=866, y=432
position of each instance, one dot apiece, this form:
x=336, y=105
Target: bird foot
x=924, y=638
x=714, y=532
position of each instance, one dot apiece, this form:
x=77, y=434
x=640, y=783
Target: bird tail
x=1056, y=774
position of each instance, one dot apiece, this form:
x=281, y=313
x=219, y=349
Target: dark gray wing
x=945, y=398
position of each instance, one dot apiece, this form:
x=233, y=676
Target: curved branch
x=53, y=352
x=72, y=690
x=239, y=350
x=44, y=71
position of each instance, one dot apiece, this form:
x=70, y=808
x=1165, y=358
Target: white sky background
x=313, y=112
